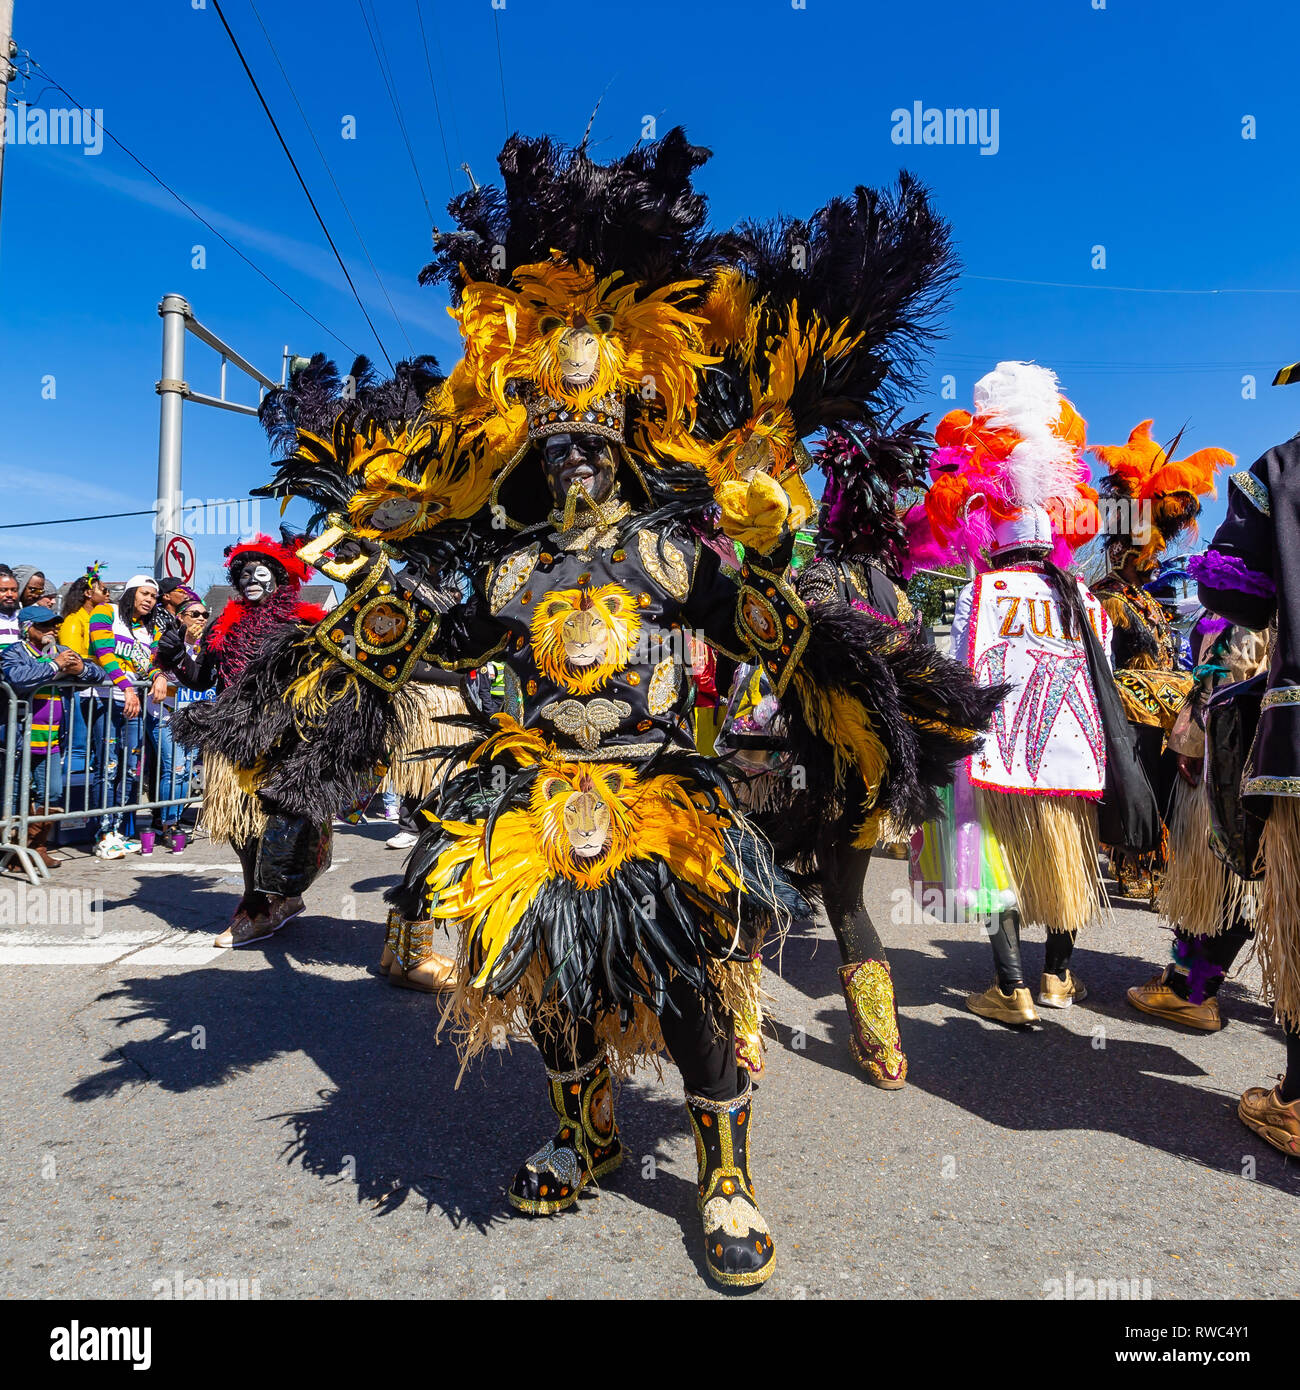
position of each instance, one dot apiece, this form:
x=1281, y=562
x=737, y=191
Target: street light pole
x=7, y=51
x=172, y=388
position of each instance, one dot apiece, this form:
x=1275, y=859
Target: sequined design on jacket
x=585, y=722
x=511, y=574
x=661, y=695
x=667, y=566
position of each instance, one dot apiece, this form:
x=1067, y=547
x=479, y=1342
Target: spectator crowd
x=95, y=681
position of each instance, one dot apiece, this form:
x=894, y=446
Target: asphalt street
x=279, y=1115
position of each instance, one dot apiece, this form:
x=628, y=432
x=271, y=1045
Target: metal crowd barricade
x=97, y=744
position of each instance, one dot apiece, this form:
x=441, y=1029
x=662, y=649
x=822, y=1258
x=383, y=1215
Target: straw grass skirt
x=1200, y=893
x=1277, y=929
x=421, y=710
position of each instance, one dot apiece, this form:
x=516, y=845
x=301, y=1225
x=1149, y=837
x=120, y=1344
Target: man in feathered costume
x=623, y=369
x=1211, y=909
x=860, y=540
x=1019, y=844
x=1149, y=499
x=1251, y=576
x=281, y=853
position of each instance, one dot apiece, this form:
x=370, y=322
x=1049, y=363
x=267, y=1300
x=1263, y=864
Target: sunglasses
x=591, y=446
x=195, y=613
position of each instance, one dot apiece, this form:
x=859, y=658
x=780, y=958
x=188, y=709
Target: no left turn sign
x=179, y=559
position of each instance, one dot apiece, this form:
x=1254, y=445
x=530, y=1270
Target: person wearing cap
x=30, y=666
x=124, y=641
x=173, y=597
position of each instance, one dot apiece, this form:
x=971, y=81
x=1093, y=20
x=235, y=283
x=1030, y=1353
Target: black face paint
x=571, y=460
x=256, y=583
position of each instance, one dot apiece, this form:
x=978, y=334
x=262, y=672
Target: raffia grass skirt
x=1277, y=928
x=482, y=1022
x=1049, y=848
x=230, y=812
x=420, y=708
x=1200, y=893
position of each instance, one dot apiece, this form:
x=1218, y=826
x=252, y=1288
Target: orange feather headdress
x=1160, y=495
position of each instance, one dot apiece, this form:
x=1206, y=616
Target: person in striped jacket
x=124, y=642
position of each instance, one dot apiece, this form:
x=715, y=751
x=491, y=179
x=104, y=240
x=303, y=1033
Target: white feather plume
x=1026, y=398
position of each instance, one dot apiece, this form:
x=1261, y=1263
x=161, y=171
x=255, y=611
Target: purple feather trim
x=1208, y=629
x=1218, y=571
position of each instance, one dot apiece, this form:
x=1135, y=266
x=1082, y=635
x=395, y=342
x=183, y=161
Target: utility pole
x=178, y=320
x=172, y=388
x=8, y=50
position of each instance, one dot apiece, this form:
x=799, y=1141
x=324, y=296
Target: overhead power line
x=68, y=520
x=390, y=85
x=501, y=68
x=428, y=63
x=1102, y=285
x=347, y=210
x=239, y=53
x=196, y=214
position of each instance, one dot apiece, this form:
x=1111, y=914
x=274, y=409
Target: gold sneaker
x=1274, y=1120
x=1016, y=1009
x=1156, y=998
x=1057, y=993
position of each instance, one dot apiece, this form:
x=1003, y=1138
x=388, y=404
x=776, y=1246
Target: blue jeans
x=110, y=747
x=47, y=779
x=170, y=776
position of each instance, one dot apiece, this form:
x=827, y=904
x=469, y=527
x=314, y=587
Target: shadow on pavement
x=1051, y=1077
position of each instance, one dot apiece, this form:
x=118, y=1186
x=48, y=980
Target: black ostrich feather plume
x=882, y=263
x=638, y=214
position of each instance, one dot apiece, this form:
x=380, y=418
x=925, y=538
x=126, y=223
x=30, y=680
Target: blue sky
x=1118, y=127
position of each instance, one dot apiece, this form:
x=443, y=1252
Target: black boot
x=738, y=1247
x=585, y=1148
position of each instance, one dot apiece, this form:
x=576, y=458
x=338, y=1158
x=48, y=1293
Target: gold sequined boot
x=749, y=1024
x=586, y=1146
x=414, y=964
x=738, y=1249
x=875, y=1042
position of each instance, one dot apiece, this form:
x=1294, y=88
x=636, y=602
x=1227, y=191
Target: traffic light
x=949, y=606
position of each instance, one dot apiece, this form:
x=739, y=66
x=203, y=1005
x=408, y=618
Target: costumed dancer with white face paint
x=1020, y=842
x=281, y=854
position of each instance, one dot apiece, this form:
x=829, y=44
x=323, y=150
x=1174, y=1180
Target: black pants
x=1004, y=937
x=701, y=1044
x=1215, y=956
x=844, y=877
x=1290, y=1083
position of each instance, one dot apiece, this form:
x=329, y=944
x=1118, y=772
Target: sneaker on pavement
x=404, y=839
x=1156, y=998
x=131, y=846
x=1057, y=993
x=243, y=930
x=1012, y=1007
x=1274, y=1120
x=110, y=847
